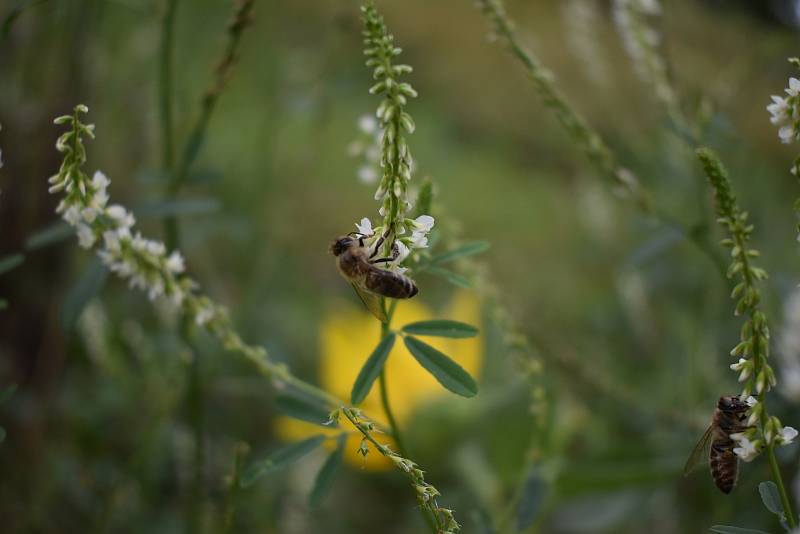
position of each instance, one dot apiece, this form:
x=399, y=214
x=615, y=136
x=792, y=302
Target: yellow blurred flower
x=348, y=336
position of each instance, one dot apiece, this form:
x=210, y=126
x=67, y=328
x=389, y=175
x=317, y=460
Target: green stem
x=233, y=487
x=398, y=437
x=165, y=84
x=776, y=475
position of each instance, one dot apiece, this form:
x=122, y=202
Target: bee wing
x=373, y=302
x=698, y=451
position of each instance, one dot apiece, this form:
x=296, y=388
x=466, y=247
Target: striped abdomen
x=390, y=284
x=724, y=463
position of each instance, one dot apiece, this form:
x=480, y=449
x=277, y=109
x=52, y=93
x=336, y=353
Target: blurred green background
x=631, y=322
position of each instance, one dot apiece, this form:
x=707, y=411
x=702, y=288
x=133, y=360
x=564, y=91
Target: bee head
x=732, y=404
x=340, y=245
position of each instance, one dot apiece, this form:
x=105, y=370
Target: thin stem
x=165, y=84
x=776, y=475
x=233, y=487
x=240, y=20
x=385, y=327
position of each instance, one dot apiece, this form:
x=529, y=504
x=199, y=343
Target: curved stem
x=776, y=475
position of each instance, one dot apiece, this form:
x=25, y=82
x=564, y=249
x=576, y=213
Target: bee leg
x=381, y=260
x=378, y=244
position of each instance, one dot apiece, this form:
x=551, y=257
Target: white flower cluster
x=368, y=147
x=582, y=19
x=785, y=113
x=420, y=227
x=145, y=263
x=748, y=445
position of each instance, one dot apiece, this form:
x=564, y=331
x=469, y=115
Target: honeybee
x=357, y=264
x=729, y=418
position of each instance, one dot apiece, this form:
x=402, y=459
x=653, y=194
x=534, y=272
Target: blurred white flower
x=423, y=223
x=368, y=124
x=786, y=435
x=367, y=174
x=751, y=401
x=86, y=237
x=788, y=348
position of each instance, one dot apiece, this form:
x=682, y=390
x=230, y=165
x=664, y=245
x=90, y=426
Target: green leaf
x=372, y=368
x=723, y=529
x=770, y=497
x=88, y=285
x=3, y=304
x=441, y=328
x=280, y=459
x=12, y=261
x=53, y=233
x=170, y=208
x=450, y=276
x=329, y=470
x=302, y=409
x=533, y=495
x=449, y=374
x=467, y=249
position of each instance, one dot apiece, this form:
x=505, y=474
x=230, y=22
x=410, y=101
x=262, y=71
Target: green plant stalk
x=233, y=487
x=242, y=16
x=776, y=475
x=755, y=332
x=593, y=145
x=165, y=84
x=387, y=409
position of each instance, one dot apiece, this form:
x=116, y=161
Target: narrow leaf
x=533, y=495
x=441, y=328
x=371, y=370
x=449, y=374
x=467, y=249
x=450, y=276
x=12, y=261
x=770, y=497
x=88, y=285
x=53, y=233
x=279, y=459
x=302, y=409
x=329, y=470
x=723, y=529
x=189, y=206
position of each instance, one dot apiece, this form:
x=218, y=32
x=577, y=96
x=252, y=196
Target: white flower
x=86, y=237
x=175, y=262
x=794, y=87
x=100, y=181
x=402, y=253
x=419, y=240
x=367, y=124
x=423, y=223
x=786, y=133
x=120, y=216
x=744, y=368
x=365, y=227
x=751, y=401
x=204, y=315
x=778, y=109
x=367, y=174
x=786, y=435
x=72, y=215
x=747, y=450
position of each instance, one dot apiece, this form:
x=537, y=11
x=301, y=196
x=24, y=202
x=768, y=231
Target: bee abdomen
x=724, y=464
x=389, y=284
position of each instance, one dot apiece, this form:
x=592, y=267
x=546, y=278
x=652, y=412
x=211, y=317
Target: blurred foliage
x=633, y=323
